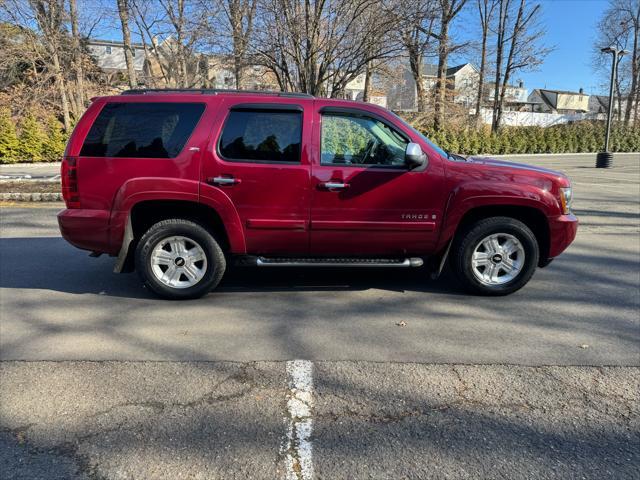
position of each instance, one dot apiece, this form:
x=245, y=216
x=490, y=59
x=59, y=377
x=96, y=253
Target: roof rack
x=214, y=91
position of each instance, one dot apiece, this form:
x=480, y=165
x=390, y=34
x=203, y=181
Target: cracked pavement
x=100, y=381
x=137, y=420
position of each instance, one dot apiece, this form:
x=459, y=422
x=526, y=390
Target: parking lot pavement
x=169, y=420
x=59, y=304
x=540, y=384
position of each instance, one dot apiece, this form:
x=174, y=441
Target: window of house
x=262, y=135
x=142, y=130
x=355, y=140
x=108, y=50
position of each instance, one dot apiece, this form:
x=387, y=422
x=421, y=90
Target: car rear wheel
x=495, y=256
x=179, y=259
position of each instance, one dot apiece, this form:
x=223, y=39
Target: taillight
x=69, y=174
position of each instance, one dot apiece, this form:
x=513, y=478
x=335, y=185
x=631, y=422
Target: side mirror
x=414, y=156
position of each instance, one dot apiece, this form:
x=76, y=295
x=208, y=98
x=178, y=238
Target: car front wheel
x=495, y=256
x=179, y=259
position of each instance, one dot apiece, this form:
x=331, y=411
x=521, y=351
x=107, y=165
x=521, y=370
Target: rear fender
x=151, y=188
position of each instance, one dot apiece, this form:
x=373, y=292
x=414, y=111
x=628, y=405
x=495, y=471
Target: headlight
x=565, y=199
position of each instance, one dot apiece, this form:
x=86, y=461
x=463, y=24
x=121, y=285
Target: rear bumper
x=86, y=229
x=562, y=229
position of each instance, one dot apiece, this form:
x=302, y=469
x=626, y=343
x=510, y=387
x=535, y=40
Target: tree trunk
x=123, y=10
x=57, y=73
x=484, y=19
x=77, y=58
x=415, y=62
x=367, y=83
x=441, y=84
x=499, y=53
x=634, y=75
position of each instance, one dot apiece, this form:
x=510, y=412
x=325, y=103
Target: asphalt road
x=101, y=380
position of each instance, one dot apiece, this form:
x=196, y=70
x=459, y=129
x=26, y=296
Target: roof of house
x=561, y=92
x=111, y=43
x=432, y=70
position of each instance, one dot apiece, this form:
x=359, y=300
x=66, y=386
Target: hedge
x=566, y=138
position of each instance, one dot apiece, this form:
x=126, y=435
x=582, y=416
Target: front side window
x=142, y=130
x=355, y=140
x=262, y=135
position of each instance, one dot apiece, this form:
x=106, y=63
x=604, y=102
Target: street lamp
x=603, y=159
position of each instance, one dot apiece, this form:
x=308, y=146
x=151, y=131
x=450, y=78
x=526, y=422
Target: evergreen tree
x=31, y=140
x=55, y=143
x=9, y=144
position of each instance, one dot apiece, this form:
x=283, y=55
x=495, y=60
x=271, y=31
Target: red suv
x=177, y=184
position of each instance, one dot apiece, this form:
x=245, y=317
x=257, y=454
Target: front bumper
x=562, y=230
x=86, y=229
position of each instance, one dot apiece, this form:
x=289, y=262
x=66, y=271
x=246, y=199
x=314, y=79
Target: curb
x=31, y=197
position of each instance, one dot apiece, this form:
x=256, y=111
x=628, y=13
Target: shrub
x=9, y=143
x=55, y=142
x=31, y=140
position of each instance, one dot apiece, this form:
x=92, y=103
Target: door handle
x=223, y=181
x=335, y=185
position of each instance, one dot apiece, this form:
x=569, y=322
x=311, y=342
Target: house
x=559, y=101
x=515, y=97
x=599, y=104
x=462, y=83
x=109, y=55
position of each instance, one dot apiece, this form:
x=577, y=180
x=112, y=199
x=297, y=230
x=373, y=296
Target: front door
x=261, y=163
x=365, y=199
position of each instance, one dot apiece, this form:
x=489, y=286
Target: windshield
x=426, y=140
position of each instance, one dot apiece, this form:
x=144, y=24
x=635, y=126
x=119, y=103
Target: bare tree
x=518, y=47
x=486, y=10
x=416, y=21
x=123, y=11
x=449, y=9
x=620, y=27
x=239, y=15
x=319, y=46
x=49, y=16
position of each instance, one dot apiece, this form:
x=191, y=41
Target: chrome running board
x=340, y=262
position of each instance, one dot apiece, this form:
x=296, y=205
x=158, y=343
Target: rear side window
x=144, y=130
x=262, y=135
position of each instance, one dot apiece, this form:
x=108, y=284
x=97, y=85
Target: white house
x=462, y=81
x=109, y=55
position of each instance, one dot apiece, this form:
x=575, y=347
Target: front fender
x=475, y=195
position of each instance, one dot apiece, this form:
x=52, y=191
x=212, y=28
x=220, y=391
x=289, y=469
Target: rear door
x=365, y=200
x=260, y=160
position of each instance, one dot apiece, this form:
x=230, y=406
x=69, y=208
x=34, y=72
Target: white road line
x=297, y=444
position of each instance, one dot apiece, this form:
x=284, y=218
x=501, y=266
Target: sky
x=571, y=28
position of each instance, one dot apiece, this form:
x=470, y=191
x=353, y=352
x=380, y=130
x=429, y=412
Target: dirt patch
x=29, y=186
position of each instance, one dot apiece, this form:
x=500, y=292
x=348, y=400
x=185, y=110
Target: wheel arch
x=532, y=217
x=146, y=213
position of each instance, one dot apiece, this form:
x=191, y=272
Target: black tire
x=468, y=239
x=215, y=265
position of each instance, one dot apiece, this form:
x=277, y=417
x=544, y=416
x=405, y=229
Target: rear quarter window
x=142, y=130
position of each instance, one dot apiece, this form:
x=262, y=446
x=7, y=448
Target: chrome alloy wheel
x=497, y=259
x=178, y=262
